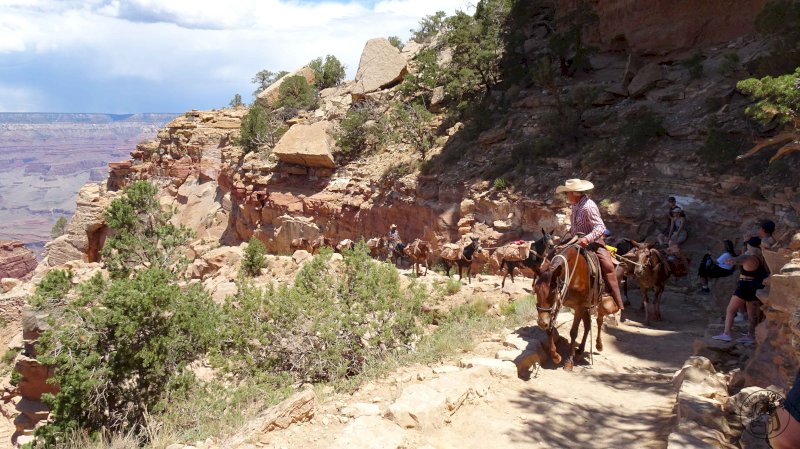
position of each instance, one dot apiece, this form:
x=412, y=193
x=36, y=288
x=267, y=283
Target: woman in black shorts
x=751, y=279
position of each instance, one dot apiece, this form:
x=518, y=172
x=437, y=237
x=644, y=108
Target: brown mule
x=418, y=251
x=565, y=281
x=320, y=242
x=652, y=272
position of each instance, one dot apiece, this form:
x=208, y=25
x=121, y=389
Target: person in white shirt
x=719, y=268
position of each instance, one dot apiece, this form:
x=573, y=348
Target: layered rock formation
x=16, y=261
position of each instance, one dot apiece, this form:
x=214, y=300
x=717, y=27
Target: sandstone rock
x=307, y=145
x=288, y=228
x=361, y=409
x=370, y=432
x=437, y=97
x=699, y=381
x=299, y=407
x=795, y=243
x=34, y=378
x=704, y=411
x=500, y=368
x=8, y=284
x=16, y=261
x=381, y=66
x=645, y=79
x=269, y=96
x=427, y=405
x=301, y=256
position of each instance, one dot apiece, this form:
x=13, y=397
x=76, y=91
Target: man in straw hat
x=585, y=219
x=394, y=238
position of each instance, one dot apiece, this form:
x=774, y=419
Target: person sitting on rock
x=765, y=231
x=677, y=229
x=715, y=269
x=751, y=279
x=394, y=239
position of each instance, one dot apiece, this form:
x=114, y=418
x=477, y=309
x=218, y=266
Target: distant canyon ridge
x=45, y=158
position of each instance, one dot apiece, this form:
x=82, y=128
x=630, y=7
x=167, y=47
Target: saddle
x=597, y=283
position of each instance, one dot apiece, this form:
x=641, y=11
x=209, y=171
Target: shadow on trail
x=555, y=421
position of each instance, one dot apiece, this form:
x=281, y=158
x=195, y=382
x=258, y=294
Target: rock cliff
x=16, y=261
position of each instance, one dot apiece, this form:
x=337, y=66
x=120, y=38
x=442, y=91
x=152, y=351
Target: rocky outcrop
x=86, y=232
x=307, y=145
x=381, y=66
x=657, y=27
x=269, y=97
x=16, y=261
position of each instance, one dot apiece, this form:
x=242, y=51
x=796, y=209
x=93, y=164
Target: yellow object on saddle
x=612, y=249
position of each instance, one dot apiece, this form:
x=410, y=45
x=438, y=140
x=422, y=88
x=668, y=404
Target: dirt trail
x=625, y=400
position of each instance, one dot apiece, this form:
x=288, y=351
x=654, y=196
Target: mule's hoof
x=599, y=347
x=568, y=366
x=556, y=359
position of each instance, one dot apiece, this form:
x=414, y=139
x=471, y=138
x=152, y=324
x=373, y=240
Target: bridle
x=561, y=290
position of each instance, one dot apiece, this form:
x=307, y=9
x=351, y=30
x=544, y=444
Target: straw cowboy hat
x=392, y=226
x=575, y=185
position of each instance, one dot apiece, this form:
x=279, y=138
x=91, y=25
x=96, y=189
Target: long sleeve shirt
x=585, y=219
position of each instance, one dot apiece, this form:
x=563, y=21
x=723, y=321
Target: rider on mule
x=585, y=219
x=394, y=239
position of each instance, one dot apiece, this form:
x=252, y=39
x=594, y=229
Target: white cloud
x=19, y=99
x=201, y=42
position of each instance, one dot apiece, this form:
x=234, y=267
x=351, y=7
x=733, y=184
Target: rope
x=628, y=260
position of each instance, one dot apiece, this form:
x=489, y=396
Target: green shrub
x=329, y=73
x=260, y=127
x=470, y=310
x=52, y=288
x=361, y=131
x=398, y=170
x=328, y=326
x=429, y=27
x=640, y=130
x=59, y=228
x=266, y=78
x=254, y=258
x=453, y=286
x=143, y=237
x=295, y=93
x=412, y=127
x=236, y=101
x=501, y=183
x=120, y=349
x=776, y=97
x=694, y=65
x=522, y=310
x=396, y=42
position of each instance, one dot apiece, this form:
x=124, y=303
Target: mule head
x=643, y=259
x=546, y=288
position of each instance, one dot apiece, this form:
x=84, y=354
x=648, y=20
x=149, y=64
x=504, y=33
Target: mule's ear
x=552, y=231
x=543, y=232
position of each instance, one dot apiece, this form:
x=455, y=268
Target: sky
x=128, y=56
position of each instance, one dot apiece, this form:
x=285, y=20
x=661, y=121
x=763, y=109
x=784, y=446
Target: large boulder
x=645, y=79
x=308, y=145
x=269, y=97
x=381, y=65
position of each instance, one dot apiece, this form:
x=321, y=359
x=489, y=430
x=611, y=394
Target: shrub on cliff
x=328, y=73
x=296, y=93
x=143, y=237
x=328, y=326
x=59, y=228
x=777, y=98
x=260, y=127
x=254, y=257
x=361, y=131
x=412, y=126
x=266, y=78
x=53, y=287
x=120, y=348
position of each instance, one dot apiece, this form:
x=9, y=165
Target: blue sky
x=124, y=56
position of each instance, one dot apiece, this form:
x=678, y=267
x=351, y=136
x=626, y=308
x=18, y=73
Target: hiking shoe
x=722, y=337
x=746, y=339
x=705, y=289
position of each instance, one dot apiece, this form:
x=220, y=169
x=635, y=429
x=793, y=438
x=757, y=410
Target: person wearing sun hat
x=394, y=238
x=751, y=279
x=585, y=219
